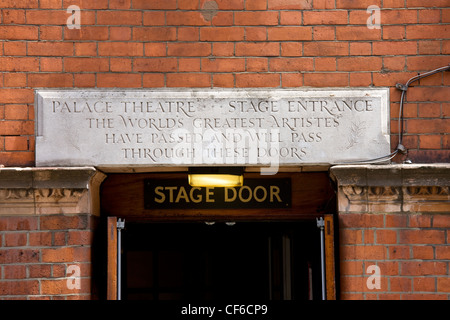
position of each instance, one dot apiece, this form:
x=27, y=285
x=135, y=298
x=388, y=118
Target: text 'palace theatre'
x=224, y=150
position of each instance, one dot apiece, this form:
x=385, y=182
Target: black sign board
x=255, y=193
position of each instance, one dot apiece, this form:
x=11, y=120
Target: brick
x=443, y=252
x=291, y=49
x=256, y=18
x=61, y=222
x=119, y=17
x=290, y=18
x=155, y=4
x=8, y=256
x=117, y=80
x=325, y=49
x=47, y=17
x=289, y=4
x=20, y=4
x=360, y=48
x=443, y=284
x=291, y=64
x=433, y=94
x=127, y=49
x=17, y=159
x=13, y=16
x=400, y=284
x=18, y=64
x=80, y=238
x=154, y=18
x=424, y=284
x=325, y=80
x=430, y=142
x=15, y=80
x=393, y=3
x=433, y=3
x=422, y=236
x=399, y=252
x=424, y=296
x=361, y=221
x=356, y=33
x=223, y=80
x=188, y=80
x=419, y=221
x=230, y=4
x=13, y=32
x=189, y=64
x=324, y=33
x=59, y=287
x=87, y=64
x=16, y=96
x=426, y=63
x=189, y=49
x=257, y=64
x=386, y=236
x=422, y=268
x=429, y=16
x=185, y=18
x=155, y=65
x=87, y=33
x=289, y=33
x=85, y=49
x=15, y=239
x=351, y=267
x=155, y=49
x=98, y=4
x=15, y=48
x=188, y=34
x=65, y=254
x=430, y=47
x=84, y=80
x=361, y=4
x=40, y=270
x=154, y=34
x=152, y=80
x=263, y=49
x=256, y=5
x=325, y=64
x=119, y=4
x=120, y=65
x=256, y=34
x=359, y=64
x=289, y=80
x=222, y=34
x=441, y=221
x=120, y=33
x=21, y=287
x=50, y=80
x=223, y=65
x=406, y=16
x=423, y=252
x=257, y=80
x=350, y=236
x=395, y=48
x=325, y=17
x=51, y=64
x=427, y=31
x=394, y=32
x=16, y=143
x=16, y=112
x=14, y=272
x=40, y=239
x=364, y=252
x=394, y=63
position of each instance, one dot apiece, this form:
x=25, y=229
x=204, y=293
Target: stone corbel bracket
x=397, y=188
x=31, y=191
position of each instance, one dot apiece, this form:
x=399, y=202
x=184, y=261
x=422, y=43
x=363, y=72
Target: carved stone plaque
x=190, y=127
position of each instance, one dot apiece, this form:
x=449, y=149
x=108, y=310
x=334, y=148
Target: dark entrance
x=200, y=261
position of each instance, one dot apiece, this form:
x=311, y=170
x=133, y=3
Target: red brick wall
x=35, y=253
x=411, y=251
x=252, y=43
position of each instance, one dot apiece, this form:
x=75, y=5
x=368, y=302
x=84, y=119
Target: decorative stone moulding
x=401, y=188
x=29, y=191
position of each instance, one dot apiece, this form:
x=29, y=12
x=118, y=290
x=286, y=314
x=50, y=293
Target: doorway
x=216, y=261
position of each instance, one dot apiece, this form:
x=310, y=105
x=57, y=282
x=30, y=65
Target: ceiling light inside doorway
x=216, y=177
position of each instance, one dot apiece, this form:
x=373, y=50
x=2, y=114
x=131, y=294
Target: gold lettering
x=159, y=193
x=209, y=193
x=182, y=194
x=274, y=192
x=171, y=189
x=264, y=193
x=227, y=198
x=249, y=194
x=196, y=199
